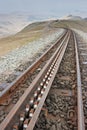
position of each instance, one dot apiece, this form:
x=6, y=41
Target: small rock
x=54, y=113
x=70, y=114
x=1, y=118
x=62, y=115
x=1, y=112
x=62, y=83
x=69, y=122
x=15, y=96
x=53, y=127
x=57, y=111
x=86, y=105
x=73, y=71
x=59, y=120
x=39, y=69
x=48, y=101
x=25, y=86
x=83, y=97
x=47, y=126
x=86, y=121
x=71, y=126
x=58, y=126
x=48, y=121
x=64, y=126
x=73, y=86
x=14, y=101
x=1, y=89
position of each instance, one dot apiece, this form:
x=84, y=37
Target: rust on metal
x=81, y=125
x=37, y=112
x=7, y=92
x=12, y=117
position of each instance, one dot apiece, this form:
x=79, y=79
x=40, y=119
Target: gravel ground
x=11, y=61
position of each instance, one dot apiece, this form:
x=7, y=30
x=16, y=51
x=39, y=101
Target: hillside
x=11, y=24
x=37, y=30
x=30, y=33
x=15, y=22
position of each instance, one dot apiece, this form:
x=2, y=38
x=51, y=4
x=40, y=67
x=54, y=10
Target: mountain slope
x=15, y=22
x=10, y=24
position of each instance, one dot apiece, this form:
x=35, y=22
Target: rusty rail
x=43, y=81
x=37, y=111
x=81, y=125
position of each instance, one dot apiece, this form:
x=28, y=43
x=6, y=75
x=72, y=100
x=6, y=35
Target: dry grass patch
x=9, y=43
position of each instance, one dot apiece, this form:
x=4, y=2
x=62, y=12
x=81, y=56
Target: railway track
x=25, y=112
x=82, y=46
x=37, y=85
x=10, y=87
x=63, y=108
x=15, y=89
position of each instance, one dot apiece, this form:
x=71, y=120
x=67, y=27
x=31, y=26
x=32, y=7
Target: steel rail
x=10, y=119
x=81, y=125
x=22, y=77
x=37, y=111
